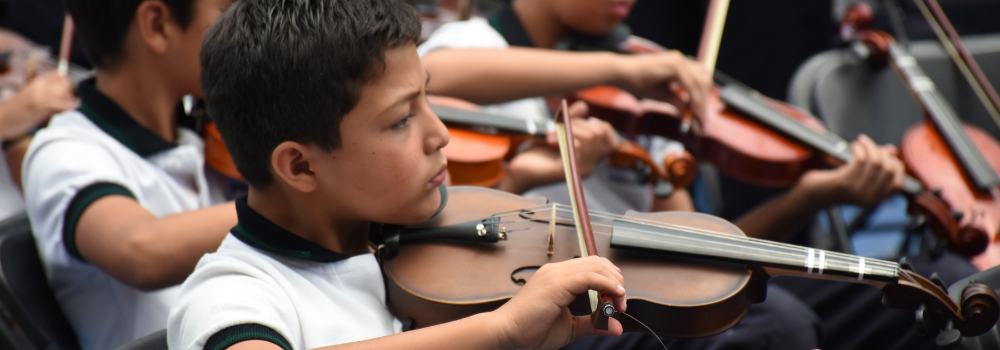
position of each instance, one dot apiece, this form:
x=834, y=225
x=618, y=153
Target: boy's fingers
x=583, y=327
x=578, y=109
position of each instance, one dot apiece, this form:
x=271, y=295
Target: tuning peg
x=904, y=263
x=937, y=280
x=949, y=338
x=921, y=321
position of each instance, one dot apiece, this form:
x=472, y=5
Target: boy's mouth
x=438, y=179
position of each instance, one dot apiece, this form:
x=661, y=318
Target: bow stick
x=942, y=27
x=64, y=46
x=601, y=306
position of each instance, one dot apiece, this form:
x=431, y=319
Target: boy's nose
x=437, y=133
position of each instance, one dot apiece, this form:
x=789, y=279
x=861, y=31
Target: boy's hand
x=593, y=138
x=874, y=174
x=44, y=96
x=540, y=164
x=659, y=76
x=537, y=317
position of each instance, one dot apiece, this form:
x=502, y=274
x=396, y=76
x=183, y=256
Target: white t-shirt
x=73, y=162
x=607, y=189
x=266, y=283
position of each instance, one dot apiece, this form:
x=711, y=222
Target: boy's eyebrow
x=410, y=96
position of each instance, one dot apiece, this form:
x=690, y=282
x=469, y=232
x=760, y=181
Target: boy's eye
x=403, y=122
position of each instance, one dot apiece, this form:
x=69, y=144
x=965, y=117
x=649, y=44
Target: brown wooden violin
x=476, y=157
x=688, y=274
x=957, y=159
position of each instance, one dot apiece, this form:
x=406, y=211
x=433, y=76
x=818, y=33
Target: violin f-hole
x=521, y=275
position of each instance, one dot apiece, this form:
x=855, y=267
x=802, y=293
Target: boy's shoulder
x=241, y=290
x=473, y=33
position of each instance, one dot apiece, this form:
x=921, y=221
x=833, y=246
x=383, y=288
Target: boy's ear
x=152, y=19
x=290, y=163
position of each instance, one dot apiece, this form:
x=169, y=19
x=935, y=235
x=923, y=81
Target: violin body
x=437, y=283
x=695, y=281
x=929, y=158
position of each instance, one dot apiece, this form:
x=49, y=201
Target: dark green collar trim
x=108, y=116
x=257, y=231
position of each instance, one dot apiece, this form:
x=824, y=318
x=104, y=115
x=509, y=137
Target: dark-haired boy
x=120, y=203
x=322, y=104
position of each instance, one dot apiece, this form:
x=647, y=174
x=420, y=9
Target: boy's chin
x=420, y=212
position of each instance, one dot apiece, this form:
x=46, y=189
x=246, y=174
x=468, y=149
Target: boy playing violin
x=120, y=202
x=323, y=106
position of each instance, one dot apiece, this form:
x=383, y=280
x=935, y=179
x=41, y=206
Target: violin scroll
x=974, y=314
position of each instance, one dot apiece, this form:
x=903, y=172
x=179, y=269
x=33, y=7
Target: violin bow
x=951, y=42
x=601, y=306
x=711, y=34
x=64, y=46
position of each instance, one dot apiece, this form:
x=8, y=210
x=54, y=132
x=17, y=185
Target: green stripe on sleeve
x=233, y=335
x=83, y=199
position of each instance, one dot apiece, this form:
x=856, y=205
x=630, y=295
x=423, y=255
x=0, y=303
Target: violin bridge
x=552, y=232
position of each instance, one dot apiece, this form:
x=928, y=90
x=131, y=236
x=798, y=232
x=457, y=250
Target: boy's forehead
x=403, y=74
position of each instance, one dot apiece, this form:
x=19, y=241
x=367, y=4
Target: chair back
x=24, y=290
x=852, y=97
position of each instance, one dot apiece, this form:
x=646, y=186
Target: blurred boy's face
x=187, y=67
x=390, y=162
x=592, y=17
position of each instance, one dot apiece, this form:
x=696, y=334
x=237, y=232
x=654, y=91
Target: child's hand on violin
x=44, y=96
x=537, y=317
x=593, y=138
x=670, y=77
x=874, y=174
x=541, y=164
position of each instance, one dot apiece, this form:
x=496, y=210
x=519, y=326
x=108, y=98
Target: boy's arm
x=488, y=76
x=118, y=235
x=874, y=174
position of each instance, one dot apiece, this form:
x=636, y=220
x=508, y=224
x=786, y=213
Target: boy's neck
x=541, y=24
x=144, y=95
x=303, y=218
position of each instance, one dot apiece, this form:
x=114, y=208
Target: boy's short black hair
x=101, y=25
x=289, y=70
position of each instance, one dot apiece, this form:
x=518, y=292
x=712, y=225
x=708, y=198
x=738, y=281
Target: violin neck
x=750, y=102
x=501, y=122
x=752, y=252
x=945, y=120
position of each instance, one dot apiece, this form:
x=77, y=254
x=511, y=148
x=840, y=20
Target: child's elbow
x=149, y=270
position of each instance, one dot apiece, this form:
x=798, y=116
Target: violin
x=777, y=144
x=688, y=274
x=476, y=158
x=957, y=159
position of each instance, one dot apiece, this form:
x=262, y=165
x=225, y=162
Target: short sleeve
x=474, y=33
x=226, y=302
x=61, y=178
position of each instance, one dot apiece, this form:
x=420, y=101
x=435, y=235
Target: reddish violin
x=777, y=142
x=476, y=158
x=959, y=160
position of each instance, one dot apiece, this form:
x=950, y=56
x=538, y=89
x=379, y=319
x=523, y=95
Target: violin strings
x=732, y=241
x=647, y=328
x=715, y=236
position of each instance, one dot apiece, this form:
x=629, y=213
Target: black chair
x=25, y=292
x=155, y=341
